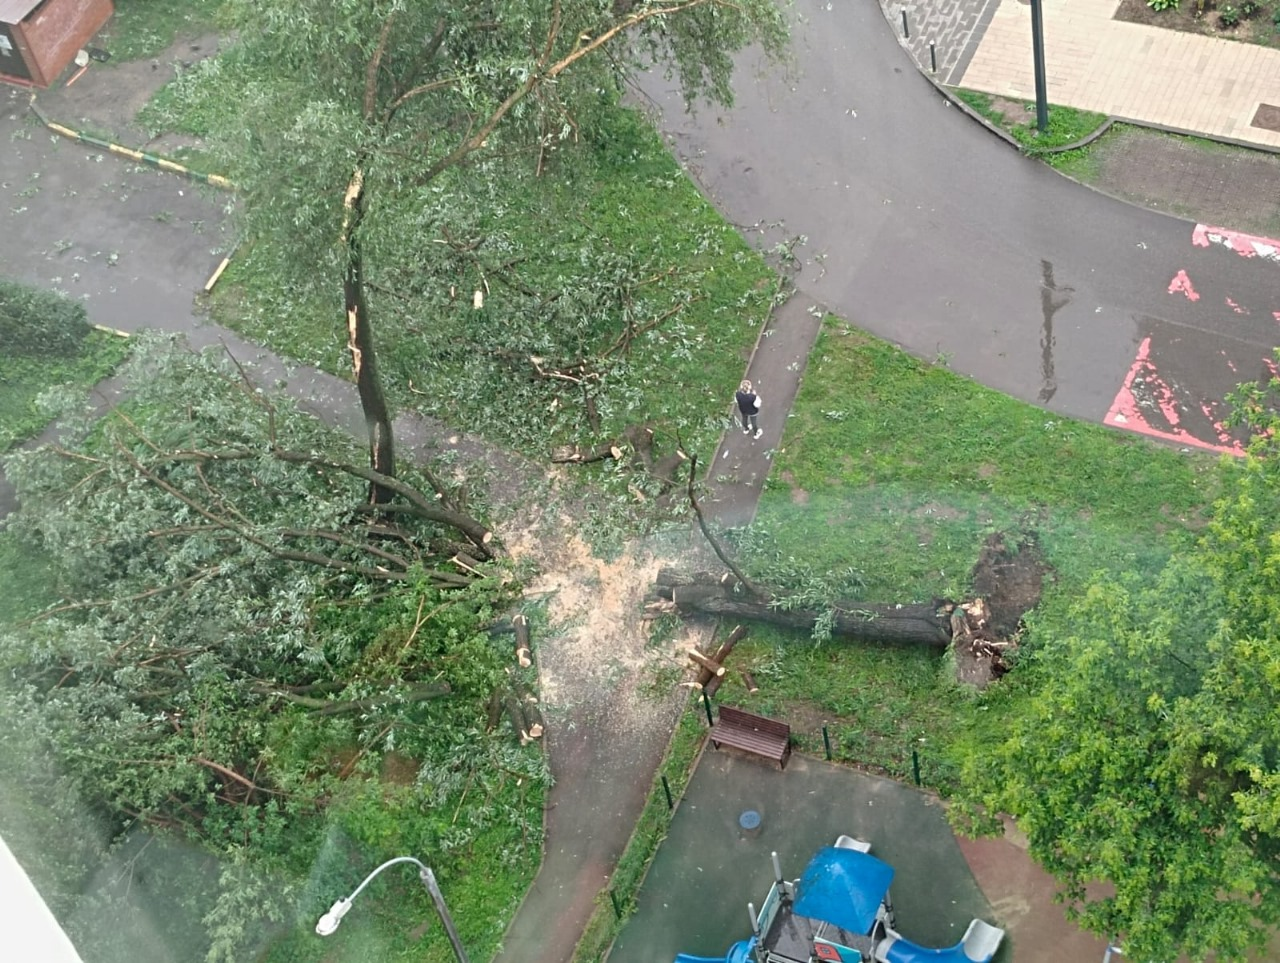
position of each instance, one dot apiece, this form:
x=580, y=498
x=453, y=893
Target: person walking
x=748, y=408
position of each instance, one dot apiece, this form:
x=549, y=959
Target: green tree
x=239, y=638
x=354, y=120
x=1148, y=758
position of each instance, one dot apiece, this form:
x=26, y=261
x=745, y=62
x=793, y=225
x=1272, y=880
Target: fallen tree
x=705, y=593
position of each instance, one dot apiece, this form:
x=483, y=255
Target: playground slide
x=740, y=952
x=978, y=945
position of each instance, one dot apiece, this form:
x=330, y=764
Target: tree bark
x=708, y=594
x=523, y=657
x=373, y=402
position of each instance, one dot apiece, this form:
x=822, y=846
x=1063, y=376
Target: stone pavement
x=1151, y=75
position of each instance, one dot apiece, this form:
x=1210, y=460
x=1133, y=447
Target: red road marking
x=1182, y=283
x=1125, y=412
x=1246, y=245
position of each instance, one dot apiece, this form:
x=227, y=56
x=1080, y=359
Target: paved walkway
x=1152, y=75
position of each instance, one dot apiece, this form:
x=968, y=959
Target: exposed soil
x=1221, y=185
x=1009, y=577
x=1203, y=17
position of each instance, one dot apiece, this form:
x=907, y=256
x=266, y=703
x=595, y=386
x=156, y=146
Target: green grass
x=1066, y=124
x=636, y=202
x=144, y=28
x=900, y=469
x=22, y=379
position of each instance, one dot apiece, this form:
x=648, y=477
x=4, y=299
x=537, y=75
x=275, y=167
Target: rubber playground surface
x=694, y=899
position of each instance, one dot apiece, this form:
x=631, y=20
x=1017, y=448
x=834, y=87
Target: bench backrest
x=749, y=720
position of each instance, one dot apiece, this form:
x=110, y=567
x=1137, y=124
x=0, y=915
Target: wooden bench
x=752, y=734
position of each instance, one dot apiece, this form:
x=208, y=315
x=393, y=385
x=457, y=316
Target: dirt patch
x=1214, y=184
x=1009, y=579
x=1009, y=576
x=111, y=104
x=1014, y=112
x=1204, y=18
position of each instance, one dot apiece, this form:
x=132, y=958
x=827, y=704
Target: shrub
x=1249, y=9
x=35, y=322
x=1228, y=17
x=1162, y=5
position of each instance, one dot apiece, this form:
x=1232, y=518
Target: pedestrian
x=748, y=408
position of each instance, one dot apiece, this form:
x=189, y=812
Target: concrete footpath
x=1185, y=82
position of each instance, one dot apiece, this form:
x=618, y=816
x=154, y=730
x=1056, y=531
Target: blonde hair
x=745, y=386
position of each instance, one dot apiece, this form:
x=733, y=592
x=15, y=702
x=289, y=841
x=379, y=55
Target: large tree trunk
x=710, y=594
x=360, y=342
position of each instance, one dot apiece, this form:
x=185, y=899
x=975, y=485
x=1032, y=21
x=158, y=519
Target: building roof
x=15, y=11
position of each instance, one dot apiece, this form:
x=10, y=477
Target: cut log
x=515, y=717
x=715, y=668
x=523, y=655
x=749, y=681
x=712, y=687
x=532, y=715
x=722, y=652
x=733, y=638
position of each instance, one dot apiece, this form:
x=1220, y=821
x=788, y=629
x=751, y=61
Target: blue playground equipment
x=839, y=911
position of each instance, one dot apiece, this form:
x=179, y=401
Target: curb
x=946, y=92
x=155, y=160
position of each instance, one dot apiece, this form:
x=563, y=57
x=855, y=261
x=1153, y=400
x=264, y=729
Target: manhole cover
x=1267, y=117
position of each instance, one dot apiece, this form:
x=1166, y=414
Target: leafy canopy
x=1148, y=757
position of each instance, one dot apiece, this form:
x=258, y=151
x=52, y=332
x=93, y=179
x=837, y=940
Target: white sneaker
x=759, y=432
x=746, y=431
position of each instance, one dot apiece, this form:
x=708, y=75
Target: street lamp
x=329, y=922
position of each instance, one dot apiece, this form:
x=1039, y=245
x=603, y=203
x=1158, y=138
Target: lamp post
x=1037, y=63
x=329, y=922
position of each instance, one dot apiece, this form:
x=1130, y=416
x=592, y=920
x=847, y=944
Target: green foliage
x=1229, y=17
x=225, y=666
x=1161, y=5
x=26, y=378
x=40, y=323
x=1066, y=124
x=1249, y=9
x=1147, y=752
x=892, y=474
x=611, y=293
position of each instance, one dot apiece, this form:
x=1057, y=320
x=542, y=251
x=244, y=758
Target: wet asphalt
x=920, y=227
x=926, y=230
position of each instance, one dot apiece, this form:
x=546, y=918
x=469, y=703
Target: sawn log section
x=753, y=734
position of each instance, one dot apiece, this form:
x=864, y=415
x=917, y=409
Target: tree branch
x=750, y=586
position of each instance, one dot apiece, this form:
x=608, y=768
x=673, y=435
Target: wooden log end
x=535, y=731
x=522, y=656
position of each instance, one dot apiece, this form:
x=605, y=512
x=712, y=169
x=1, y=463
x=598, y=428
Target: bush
x=1249, y=9
x=1161, y=5
x=34, y=322
x=1228, y=17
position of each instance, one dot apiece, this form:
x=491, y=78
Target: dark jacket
x=748, y=403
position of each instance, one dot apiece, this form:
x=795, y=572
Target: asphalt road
x=926, y=230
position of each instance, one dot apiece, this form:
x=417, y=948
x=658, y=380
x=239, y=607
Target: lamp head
x=329, y=922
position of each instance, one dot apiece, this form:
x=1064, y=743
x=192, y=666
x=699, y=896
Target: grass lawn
x=144, y=28
x=1066, y=124
x=897, y=470
x=632, y=204
x=22, y=379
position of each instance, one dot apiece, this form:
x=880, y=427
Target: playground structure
x=839, y=911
